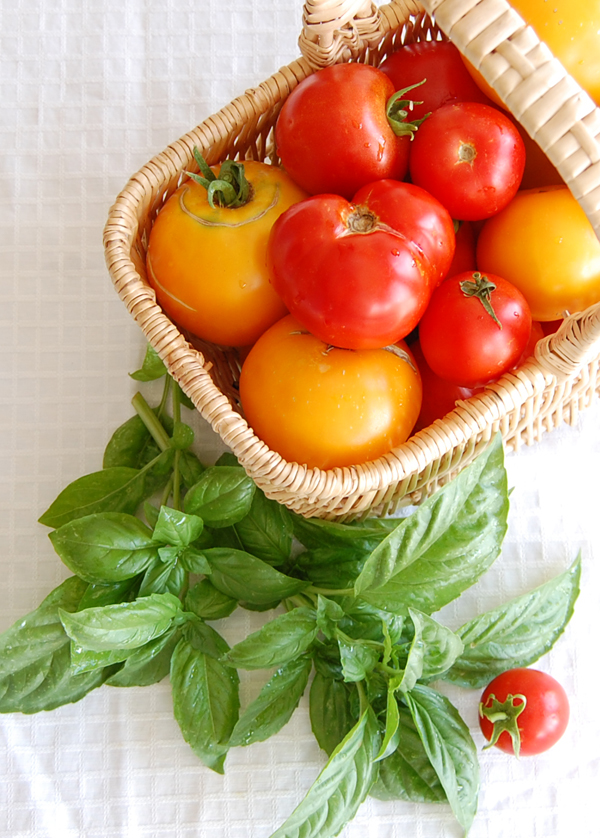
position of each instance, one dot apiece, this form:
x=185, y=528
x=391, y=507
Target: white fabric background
x=89, y=92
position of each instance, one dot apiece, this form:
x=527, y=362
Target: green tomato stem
x=398, y=110
x=482, y=288
x=503, y=715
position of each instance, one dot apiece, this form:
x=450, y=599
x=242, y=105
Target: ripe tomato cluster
x=391, y=265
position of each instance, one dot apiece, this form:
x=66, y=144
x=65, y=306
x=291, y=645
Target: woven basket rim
x=468, y=427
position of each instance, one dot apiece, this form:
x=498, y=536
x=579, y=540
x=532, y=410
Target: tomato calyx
x=481, y=287
x=230, y=188
x=398, y=110
x=504, y=715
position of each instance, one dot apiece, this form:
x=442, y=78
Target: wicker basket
x=548, y=390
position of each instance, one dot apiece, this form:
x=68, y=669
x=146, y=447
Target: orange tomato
x=324, y=407
x=208, y=265
x=544, y=244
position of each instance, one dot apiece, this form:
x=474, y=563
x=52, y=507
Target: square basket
x=550, y=388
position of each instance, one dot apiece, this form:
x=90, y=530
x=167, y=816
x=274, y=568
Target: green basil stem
x=165, y=396
x=176, y=401
x=312, y=589
x=151, y=421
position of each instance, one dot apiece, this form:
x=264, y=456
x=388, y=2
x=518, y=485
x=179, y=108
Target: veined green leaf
x=433, y=650
x=516, y=634
x=248, y=579
x=280, y=640
x=341, y=787
x=331, y=713
x=177, y=528
x=445, y=545
x=450, y=748
x=222, y=496
x=276, y=702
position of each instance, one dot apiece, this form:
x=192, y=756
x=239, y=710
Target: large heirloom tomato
x=438, y=69
x=471, y=157
x=208, y=264
x=543, y=243
x=476, y=328
x=523, y=711
x=359, y=275
x=333, y=133
x=322, y=406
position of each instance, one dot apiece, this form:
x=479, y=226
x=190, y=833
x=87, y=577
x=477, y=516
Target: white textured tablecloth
x=89, y=91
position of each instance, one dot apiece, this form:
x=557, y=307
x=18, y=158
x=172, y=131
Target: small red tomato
x=470, y=157
x=523, y=712
x=439, y=63
x=475, y=328
x=439, y=396
x=465, y=252
x=349, y=273
x=333, y=133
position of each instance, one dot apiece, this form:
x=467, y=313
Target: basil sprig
x=159, y=545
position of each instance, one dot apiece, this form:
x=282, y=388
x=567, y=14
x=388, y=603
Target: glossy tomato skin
x=417, y=215
x=544, y=718
x=352, y=279
x=439, y=396
x=464, y=258
x=440, y=64
x=470, y=157
x=208, y=266
x=461, y=341
x=543, y=243
x=327, y=407
x=332, y=133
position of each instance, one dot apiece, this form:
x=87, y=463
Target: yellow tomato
x=571, y=29
x=208, y=265
x=544, y=244
x=325, y=407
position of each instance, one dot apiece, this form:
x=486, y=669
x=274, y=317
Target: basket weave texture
x=551, y=388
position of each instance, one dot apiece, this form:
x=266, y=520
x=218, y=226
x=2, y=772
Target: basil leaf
x=516, y=634
x=147, y=665
x=332, y=567
x=98, y=594
x=205, y=701
x=177, y=528
x=443, y=547
x=40, y=633
x=47, y=684
x=275, y=704
x=450, y=748
x=118, y=489
x=105, y=547
x=248, y=579
x=85, y=660
x=207, y=602
x=222, y=496
x=329, y=613
x=190, y=468
x=357, y=660
x=341, y=787
x=366, y=622
x=392, y=733
x=126, y=625
x=276, y=642
x=316, y=533
x=152, y=367
x=131, y=446
x=433, y=650
x=331, y=714
x=163, y=578
x=407, y=774
x=266, y=531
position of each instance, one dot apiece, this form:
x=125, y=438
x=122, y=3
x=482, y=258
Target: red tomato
x=441, y=65
x=327, y=407
x=417, y=215
x=333, y=133
x=465, y=258
x=470, y=157
x=439, y=396
x=348, y=271
x=523, y=711
x=466, y=342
